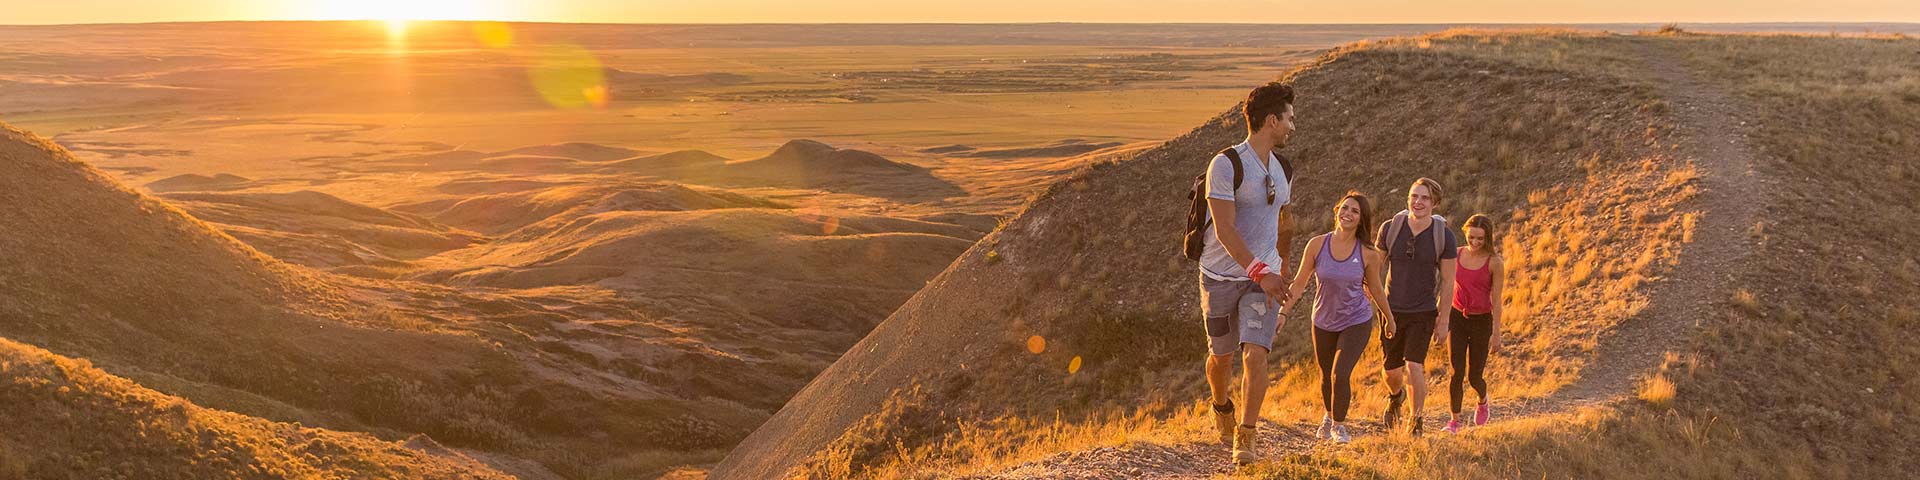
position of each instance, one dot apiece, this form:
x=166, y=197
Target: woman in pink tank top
x=1477, y=280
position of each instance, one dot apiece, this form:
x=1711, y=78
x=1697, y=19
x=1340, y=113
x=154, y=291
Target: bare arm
x=1375, y=282
x=1498, y=275
x=1444, y=299
x=1308, y=260
x=1223, y=229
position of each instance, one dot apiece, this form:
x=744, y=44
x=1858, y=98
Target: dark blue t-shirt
x=1413, y=280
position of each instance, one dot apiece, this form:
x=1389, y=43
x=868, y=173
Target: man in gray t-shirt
x=1241, y=286
x=1256, y=220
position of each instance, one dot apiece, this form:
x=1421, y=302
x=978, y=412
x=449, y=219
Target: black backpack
x=1198, y=221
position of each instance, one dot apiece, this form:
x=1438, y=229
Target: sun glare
x=396, y=27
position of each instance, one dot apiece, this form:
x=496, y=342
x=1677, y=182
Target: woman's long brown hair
x=1363, y=231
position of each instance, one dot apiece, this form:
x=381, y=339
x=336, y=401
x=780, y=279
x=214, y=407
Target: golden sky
x=813, y=11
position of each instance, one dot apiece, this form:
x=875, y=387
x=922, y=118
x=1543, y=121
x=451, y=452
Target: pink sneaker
x=1481, y=416
x=1453, y=426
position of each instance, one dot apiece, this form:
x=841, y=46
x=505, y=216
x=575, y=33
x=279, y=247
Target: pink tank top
x=1473, y=288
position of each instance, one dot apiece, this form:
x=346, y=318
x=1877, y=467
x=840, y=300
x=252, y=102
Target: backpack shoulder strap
x=1439, y=237
x=1286, y=166
x=1234, y=154
x=1393, y=231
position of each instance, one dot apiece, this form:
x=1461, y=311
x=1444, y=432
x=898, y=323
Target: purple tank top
x=1341, y=301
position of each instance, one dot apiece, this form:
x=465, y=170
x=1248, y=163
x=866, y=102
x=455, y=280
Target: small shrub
x=1745, y=301
x=1657, y=391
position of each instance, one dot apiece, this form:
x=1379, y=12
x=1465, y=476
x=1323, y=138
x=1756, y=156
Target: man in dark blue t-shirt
x=1420, y=256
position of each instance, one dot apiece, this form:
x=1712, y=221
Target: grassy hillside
x=1751, y=325
x=1569, y=156
x=66, y=419
x=1803, y=367
x=1793, y=373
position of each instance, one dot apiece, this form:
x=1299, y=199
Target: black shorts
x=1413, y=333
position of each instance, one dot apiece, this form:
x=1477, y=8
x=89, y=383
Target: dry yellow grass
x=1804, y=363
x=137, y=285
x=1579, y=248
x=65, y=418
x=1591, y=211
x=1794, y=379
x=1800, y=385
x=1657, y=391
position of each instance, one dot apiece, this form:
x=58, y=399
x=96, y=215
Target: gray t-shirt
x=1413, y=280
x=1257, y=221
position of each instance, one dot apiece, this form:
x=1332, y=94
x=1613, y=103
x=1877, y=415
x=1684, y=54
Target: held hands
x=1493, y=344
x=1440, y=328
x=1270, y=281
x=1276, y=289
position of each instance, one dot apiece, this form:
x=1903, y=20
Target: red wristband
x=1257, y=270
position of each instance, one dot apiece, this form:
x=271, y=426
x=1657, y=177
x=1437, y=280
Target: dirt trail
x=1711, y=133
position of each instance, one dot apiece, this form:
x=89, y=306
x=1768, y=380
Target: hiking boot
x=1481, y=415
x=1418, y=426
x=1340, y=434
x=1453, y=425
x=1326, y=428
x=1223, y=420
x=1392, y=418
x=1243, y=438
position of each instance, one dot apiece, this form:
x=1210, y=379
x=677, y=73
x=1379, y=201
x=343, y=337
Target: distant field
x=264, y=100
x=206, y=99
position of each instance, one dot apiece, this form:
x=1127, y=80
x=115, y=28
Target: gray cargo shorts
x=1236, y=312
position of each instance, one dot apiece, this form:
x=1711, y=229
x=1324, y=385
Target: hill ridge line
x=1708, y=134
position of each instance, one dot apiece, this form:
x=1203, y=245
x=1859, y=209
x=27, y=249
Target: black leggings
x=1467, y=341
x=1337, y=353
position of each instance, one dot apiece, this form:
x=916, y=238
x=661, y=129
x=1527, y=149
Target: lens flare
x=1073, y=367
x=1036, y=344
x=819, y=212
x=569, y=77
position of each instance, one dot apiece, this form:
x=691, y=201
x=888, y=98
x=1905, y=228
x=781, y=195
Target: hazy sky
x=810, y=11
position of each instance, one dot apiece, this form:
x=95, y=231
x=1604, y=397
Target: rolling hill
x=67, y=419
x=137, y=287
x=142, y=290
x=1072, y=327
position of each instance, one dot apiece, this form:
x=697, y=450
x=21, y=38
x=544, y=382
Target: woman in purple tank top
x=1348, y=272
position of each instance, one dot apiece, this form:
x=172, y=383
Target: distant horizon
x=830, y=12
x=559, y=22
